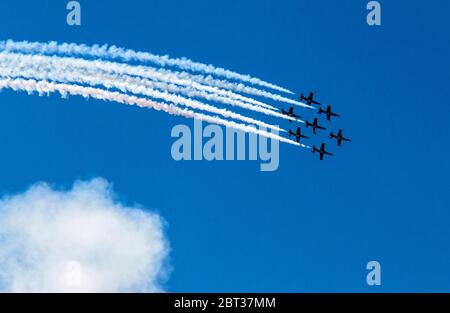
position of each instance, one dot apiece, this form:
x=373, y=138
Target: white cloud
x=79, y=240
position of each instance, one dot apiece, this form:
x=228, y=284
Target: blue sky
x=310, y=225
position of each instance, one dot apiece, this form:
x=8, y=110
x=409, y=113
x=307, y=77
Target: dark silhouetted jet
x=328, y=112
x=290, y=113
x=339, y=137
x=322, y=151
x=310, y=99
x=298, y=134
x=314, y=125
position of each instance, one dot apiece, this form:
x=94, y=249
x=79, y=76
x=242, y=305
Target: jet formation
x=315, y=125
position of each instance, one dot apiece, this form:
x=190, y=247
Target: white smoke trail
x=160, y=75
x=18, y=66
x=44, y=87
x=114, y=52
x=23, y=64
x=148, y=72
x=232, y=86
x=238, y=87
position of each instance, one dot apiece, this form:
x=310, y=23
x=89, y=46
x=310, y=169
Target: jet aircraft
x=328, y=112
x=339, y=137
x=314, y=125
x=290, y=113
x=321, y=151
x=309, y=99
x=298, y=134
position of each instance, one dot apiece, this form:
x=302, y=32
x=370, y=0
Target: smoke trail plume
x=66, y=70
x=179, y=78
x=24, y=69
x=44, y=87
x=114, y=52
